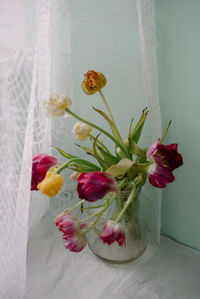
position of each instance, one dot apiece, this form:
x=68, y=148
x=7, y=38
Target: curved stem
x=128, y=202
x=93, y=223
x=76, y=205
x=106, y=105
x=90, y=124
x=122, y=146
x=64, y=165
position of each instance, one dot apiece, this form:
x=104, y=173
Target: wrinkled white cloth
x=54, y=273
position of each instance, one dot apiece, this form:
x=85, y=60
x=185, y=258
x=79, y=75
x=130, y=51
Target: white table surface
x=55, y=273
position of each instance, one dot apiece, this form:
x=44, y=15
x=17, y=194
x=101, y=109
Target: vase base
x=117, y=254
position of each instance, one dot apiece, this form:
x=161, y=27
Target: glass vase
x=135, y=227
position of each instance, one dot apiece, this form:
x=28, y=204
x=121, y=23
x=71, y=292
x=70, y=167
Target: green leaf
x=114, y=130
x=130, y=127
x=102, y=163
x=165, y=133
x=121, y=168
x=140, y=180
x=95, y=155
x=134, y=149
x=63, y=153
x=110, y=159
x=100, y=143
x=135, y=135
x=86, y=149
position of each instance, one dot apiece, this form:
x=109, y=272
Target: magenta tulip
x=95, y=185
x=40, y=165
x=68, y=224
x=165, y=159
x=113, y=231
x=75, y=242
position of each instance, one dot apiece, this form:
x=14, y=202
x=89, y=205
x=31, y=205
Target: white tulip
x=56, y=105
x=81, y=131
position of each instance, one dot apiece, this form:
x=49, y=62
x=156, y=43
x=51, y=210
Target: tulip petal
x=152, y=148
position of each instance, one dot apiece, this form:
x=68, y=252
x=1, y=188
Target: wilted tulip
x=51, y=184
x=95, y=185
x=165, y=159
x=56, y=105
x=93, y=82
x=81, y=131
x=113, y=231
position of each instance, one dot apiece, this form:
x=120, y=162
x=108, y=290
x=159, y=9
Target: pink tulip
x=75, y=242
x=40, y=165
x=95, y=185
x=113, y=231
x=165, y=159
x=68, y=224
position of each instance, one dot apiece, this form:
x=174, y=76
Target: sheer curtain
x=35, y=60
x=25, y=64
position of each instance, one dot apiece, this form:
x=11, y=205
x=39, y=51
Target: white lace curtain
x=35, y=60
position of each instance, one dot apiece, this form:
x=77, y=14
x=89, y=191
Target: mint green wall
x=104, y=37
x=178, y=33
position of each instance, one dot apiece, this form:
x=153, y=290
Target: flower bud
x=113, y=231
x=93, y=82
x=56, y=105
x=81, y=130
x=51, y=184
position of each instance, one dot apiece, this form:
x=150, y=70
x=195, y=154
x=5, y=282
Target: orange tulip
x=93, y=82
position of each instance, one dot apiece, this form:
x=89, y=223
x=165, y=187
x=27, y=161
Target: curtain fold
x=36, y=60
x=25, y=62
x=148, y=52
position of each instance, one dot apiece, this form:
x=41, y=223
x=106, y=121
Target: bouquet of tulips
x=125, y=168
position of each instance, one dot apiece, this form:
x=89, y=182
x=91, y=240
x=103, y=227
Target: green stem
x=74, y=207
x=91, y=124
x=64, y=165
x=106, y=204
x=93, y=215
x=121, y=145
x=94, y=207
x=122, y=183
x=93, y=223
x=118, y=136
x=106, y=105
x=128, y=202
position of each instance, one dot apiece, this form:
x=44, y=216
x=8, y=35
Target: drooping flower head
x=40, y=165
x=56, y=105
x=72, y=229
x=75, y=242
x=95, y=185
x=51, y=184
x=93, y=82
x=68, y=224
x=113, y=231
x=164, y=158
x=81, y=131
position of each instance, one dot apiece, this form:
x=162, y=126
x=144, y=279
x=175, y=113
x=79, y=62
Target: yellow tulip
x=93, y=82
x=51, y=184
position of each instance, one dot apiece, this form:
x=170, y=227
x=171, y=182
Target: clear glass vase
x=136, y=231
